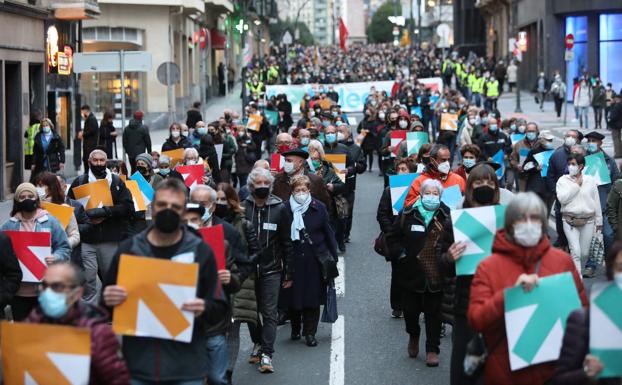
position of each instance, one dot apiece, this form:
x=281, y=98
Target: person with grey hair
x=521, y=255
x=417, y=274
x=273, y=223
x=109, y=224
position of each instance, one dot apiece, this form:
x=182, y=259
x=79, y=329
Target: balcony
x=75, y=9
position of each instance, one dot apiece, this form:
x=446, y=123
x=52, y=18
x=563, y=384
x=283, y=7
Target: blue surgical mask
x=305, y=141
x=326, y=123
x=202, y=130
x=548, y=145
x=53, y=304
x=493, y=128
x=592, y=148
x=165, y=171
x=46, y=129
x=331, y=138
x=206, y=216
x=531, y=136
x=468, y=162
x=431, y=202
x=513, y=127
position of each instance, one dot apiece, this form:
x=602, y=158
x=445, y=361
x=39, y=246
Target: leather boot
x=413, y=346
x=431, y=359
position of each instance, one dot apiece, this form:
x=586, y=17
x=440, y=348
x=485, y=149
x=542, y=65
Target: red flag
x=343, y=34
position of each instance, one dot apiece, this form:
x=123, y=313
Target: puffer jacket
x=273, y=224
x=107, y=367
x=486, y=306
x=136, y=138
x=245, y=302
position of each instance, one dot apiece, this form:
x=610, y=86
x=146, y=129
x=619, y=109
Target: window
x=610, y=48
x=576, y=25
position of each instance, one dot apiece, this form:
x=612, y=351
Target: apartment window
x=610, y=41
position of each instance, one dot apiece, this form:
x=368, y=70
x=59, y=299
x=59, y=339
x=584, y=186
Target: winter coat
x=583, y=96
x=54, y=155
x=10, y=272
x=272, y=222
x=370, y=142
x=516, y=150
x=486, y=306
x=230, y=147
x=615, y=116
x=245, y=302
x=417, y=270
x=207, y=151
x=90, y=136
x=558, y=166
x=490, y=144
x=192, y=117
x=107, y=367
x=136, y=139
x=535, y=181
x=246, y=155
x=575, y=346
x=105, y=138
x=599, y=98
x=155, y=359
x=114, y=228
x=356, y=164
x=614, y=209
x=579, y=201
x=282, y=189
x=386, y=220
x=170, y=144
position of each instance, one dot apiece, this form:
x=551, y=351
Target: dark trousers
x=132, y=165
x=558, y=105
x=413, y=304
x=598, y=117
x=369, y=155
x=308, y=318
x=22, y=306
x=395, y=294
x=348, y=221
x=559, y=226
x=239, y=179
x=267, y=300
x=255, y=331
x=461, y=334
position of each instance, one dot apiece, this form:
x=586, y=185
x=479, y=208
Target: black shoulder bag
x=328, y=264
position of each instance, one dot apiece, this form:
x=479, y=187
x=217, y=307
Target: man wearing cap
x=136, y=139
x=594, y=146
x=615, y=124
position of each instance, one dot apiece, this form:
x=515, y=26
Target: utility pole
x=411, y=28
x=419, y=23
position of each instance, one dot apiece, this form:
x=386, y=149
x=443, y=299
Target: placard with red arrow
x=31, y=248
x=192, y=174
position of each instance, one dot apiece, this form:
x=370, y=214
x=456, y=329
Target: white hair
x=524, y=203
x=201, y=187
x=430, y=184
x=98, y=151
x=317, y=145
x=257, y=173
x=190, y=151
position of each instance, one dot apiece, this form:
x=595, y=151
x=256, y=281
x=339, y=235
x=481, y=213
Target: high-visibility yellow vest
x=31, y=131
x=478, y=85
x=492, y=88
x=470, y=80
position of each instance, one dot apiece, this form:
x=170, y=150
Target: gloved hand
x=101, y=212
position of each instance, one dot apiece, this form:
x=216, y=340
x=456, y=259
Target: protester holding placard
x=335, y=186
x=521, y=148
x=368, y=128
x=533, y=168
x=10, y=272
x=580, y=206
x=27, y=215
x=521, y=254
x=175, y=140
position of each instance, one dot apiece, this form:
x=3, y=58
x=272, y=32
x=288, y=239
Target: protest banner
x=397, y=137
x=449, y=122
x=596, y=166
x=177, y=156
x=254, y=122
x=137, y=195
x=192, y=174
x=339, y=162
x=214, y=236
x=276, y=162
x=145, y=188
x=543, y=159
x=414, y=141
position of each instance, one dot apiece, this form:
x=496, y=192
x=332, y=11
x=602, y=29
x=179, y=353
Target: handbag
x=328, y=265
x=381, y=246
x=576, y=221
x=597, y=248
x=342, y=206
x=329, y=313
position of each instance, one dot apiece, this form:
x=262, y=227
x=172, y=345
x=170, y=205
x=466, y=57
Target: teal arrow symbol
x=478, y=234
x=608, y=301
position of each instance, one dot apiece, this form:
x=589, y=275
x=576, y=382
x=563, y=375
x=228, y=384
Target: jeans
x=268, y=287
x=217, y=357
x=583, y=117
x=97, y=258
x=430, y=305
x=184, y=382
x=598, y=116
x=579, y=238
x=476, y=98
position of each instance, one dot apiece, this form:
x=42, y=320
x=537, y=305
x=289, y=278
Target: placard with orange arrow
x=94, y=195
x=156, y=291
x=62, y=213
x=177, y=156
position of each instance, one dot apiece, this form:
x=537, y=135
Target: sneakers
x=255, y=355
x=396, y=314
x=443, y=330
x=413, y=346
x=265, y=365
x=589, y=272
x=431, y=359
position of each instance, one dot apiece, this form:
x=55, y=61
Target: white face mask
x=381, y=116
x=573, y=170
x=403, y=124
x=191, y=162
x=288, y=167
x=444, y=167
x=193, y=225
x=527, y=234
x=569, y=141
x=175, y=134
x=301, y=198
x=340, y=136
x=617, y=277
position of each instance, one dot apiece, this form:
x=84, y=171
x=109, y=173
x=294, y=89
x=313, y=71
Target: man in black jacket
x=109, y=224
x=10, y=272
x=136, y=139
x=273, y=223
x=89, y=135
x=615, y=124
x=194, y=115
x=159, y=360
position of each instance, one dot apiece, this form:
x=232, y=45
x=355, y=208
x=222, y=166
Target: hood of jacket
x=271, y=201
x=524, y=256
x=134, y=124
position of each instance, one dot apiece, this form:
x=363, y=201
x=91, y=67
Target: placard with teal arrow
x=498, y=158
x=399, y=186
x=272, y=117
x=535, y=321
x=414, y=141
x=543, y=159
x=144, y=186
x=516, y=138
x=596, y=166
x=606, y=326
x=476, y=227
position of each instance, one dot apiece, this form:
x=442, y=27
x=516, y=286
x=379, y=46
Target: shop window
x=610, y=48
x=576, y=25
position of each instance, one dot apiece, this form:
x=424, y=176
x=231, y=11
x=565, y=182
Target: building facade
x=469, y=28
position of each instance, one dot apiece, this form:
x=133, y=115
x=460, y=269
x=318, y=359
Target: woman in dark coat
x=175, y=140
x=107, y=133
x=418, y=276
x=576, y=366
x=10, y=272
x=245, y=157
x=48, y=151
x=285, y=107
x=535, y=181
x=311, y=236
x=369, y=125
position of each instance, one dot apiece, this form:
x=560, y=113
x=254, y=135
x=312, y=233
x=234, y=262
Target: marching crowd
x=287, y=212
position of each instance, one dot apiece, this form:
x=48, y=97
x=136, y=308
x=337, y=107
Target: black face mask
x=483, y=194
x=425, y=160
x=222, y=210
x=98, y=171
x=143, y=170
x=262, y=192
x=167, y=221
x=26, y=206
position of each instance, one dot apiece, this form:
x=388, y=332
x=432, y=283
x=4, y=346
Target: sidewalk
x=211, y=111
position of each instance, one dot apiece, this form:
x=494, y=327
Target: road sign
x=163, y=73
x=133, y=61
x=569, y=40
x=569, y=56
x=287, y=38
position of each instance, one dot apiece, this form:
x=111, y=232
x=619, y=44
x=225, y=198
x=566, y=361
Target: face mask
x=325, y=123
x=531, y=136
x=471, y=121
x=334, y=114
x=617, y=277
x=338, y=123
x=573, y=170
x=288, y=167
x=340, y=137
x=202, y=130
x=548, y=145
x=41, y=192
x=316, y=163
x=569, y=141
x=305, y=141
x=262, y=192
x=46, y=129
x=403, y=124
x=26, y=206
x=513, y=127
x=167, y=221
x=381, y=116
x=184, y=133
x=311, y=114
x=592, y=147
x=493, y=128
x=241, y=134
x=527, y=234
x=444, y=167
x=175, y=134
x=222, y=210
x=301, y=198
x=143, y=170
x=191, y=162
x=468, y=162
x=483, y=194
x=522, y=129
x=165, y=171
x=207, y=215
x=98, y=171
x=331, y=138
x=193, y=225
x=430, y=202
x=53, y=304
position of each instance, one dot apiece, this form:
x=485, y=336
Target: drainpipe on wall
x=170, y=86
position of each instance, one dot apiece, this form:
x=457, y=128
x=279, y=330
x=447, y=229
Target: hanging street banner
x=535, y=321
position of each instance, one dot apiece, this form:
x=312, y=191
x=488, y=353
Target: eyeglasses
x=58, y=287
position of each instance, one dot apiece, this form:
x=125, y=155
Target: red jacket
x=486, y=307
x=107, y=367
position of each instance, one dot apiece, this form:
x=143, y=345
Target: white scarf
x=298, y=209
x=108, y=177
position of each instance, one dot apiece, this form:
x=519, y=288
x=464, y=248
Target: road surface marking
x=337, y=352
x=340, y=281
